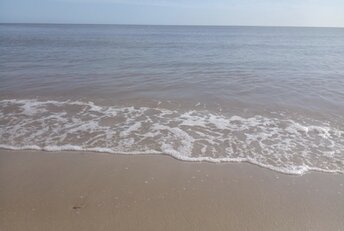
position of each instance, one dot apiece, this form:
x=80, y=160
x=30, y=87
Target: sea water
x=269, y=96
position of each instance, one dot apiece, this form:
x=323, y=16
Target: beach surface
x=94, y=191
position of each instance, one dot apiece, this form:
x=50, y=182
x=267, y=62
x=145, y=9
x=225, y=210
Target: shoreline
x=76, y=149
x=97, y=191
x=285, y=143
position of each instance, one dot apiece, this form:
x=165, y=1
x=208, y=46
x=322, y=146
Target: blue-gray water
x=269, y=96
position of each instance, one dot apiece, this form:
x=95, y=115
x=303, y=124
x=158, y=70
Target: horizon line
x=186, y=25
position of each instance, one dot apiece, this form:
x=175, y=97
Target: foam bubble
x=282, y=144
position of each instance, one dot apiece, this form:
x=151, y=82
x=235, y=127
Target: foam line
x=284, y=144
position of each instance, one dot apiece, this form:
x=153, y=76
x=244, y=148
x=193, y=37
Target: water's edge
x=280, y=144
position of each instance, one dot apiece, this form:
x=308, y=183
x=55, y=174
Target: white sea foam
x=282, y=144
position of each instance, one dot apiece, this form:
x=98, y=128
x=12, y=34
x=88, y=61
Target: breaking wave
x=281, y=144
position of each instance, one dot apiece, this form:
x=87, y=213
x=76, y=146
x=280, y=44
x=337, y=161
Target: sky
x=318, y=13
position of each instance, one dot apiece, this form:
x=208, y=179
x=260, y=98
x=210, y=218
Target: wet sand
x=93, y=191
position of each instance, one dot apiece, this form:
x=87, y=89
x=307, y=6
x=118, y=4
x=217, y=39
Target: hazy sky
x=177, y=12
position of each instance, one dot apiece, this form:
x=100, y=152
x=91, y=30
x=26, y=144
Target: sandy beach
x=93, y=191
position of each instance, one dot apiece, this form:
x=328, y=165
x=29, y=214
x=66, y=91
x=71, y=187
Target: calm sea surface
x=273, y=97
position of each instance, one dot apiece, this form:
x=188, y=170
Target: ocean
x=270, y=96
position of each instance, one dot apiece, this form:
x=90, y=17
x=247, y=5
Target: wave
x=279, y=143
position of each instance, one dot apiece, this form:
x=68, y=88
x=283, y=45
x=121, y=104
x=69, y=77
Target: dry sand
x=91, y=191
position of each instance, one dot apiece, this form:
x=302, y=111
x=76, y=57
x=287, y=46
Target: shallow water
x=269, y=96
